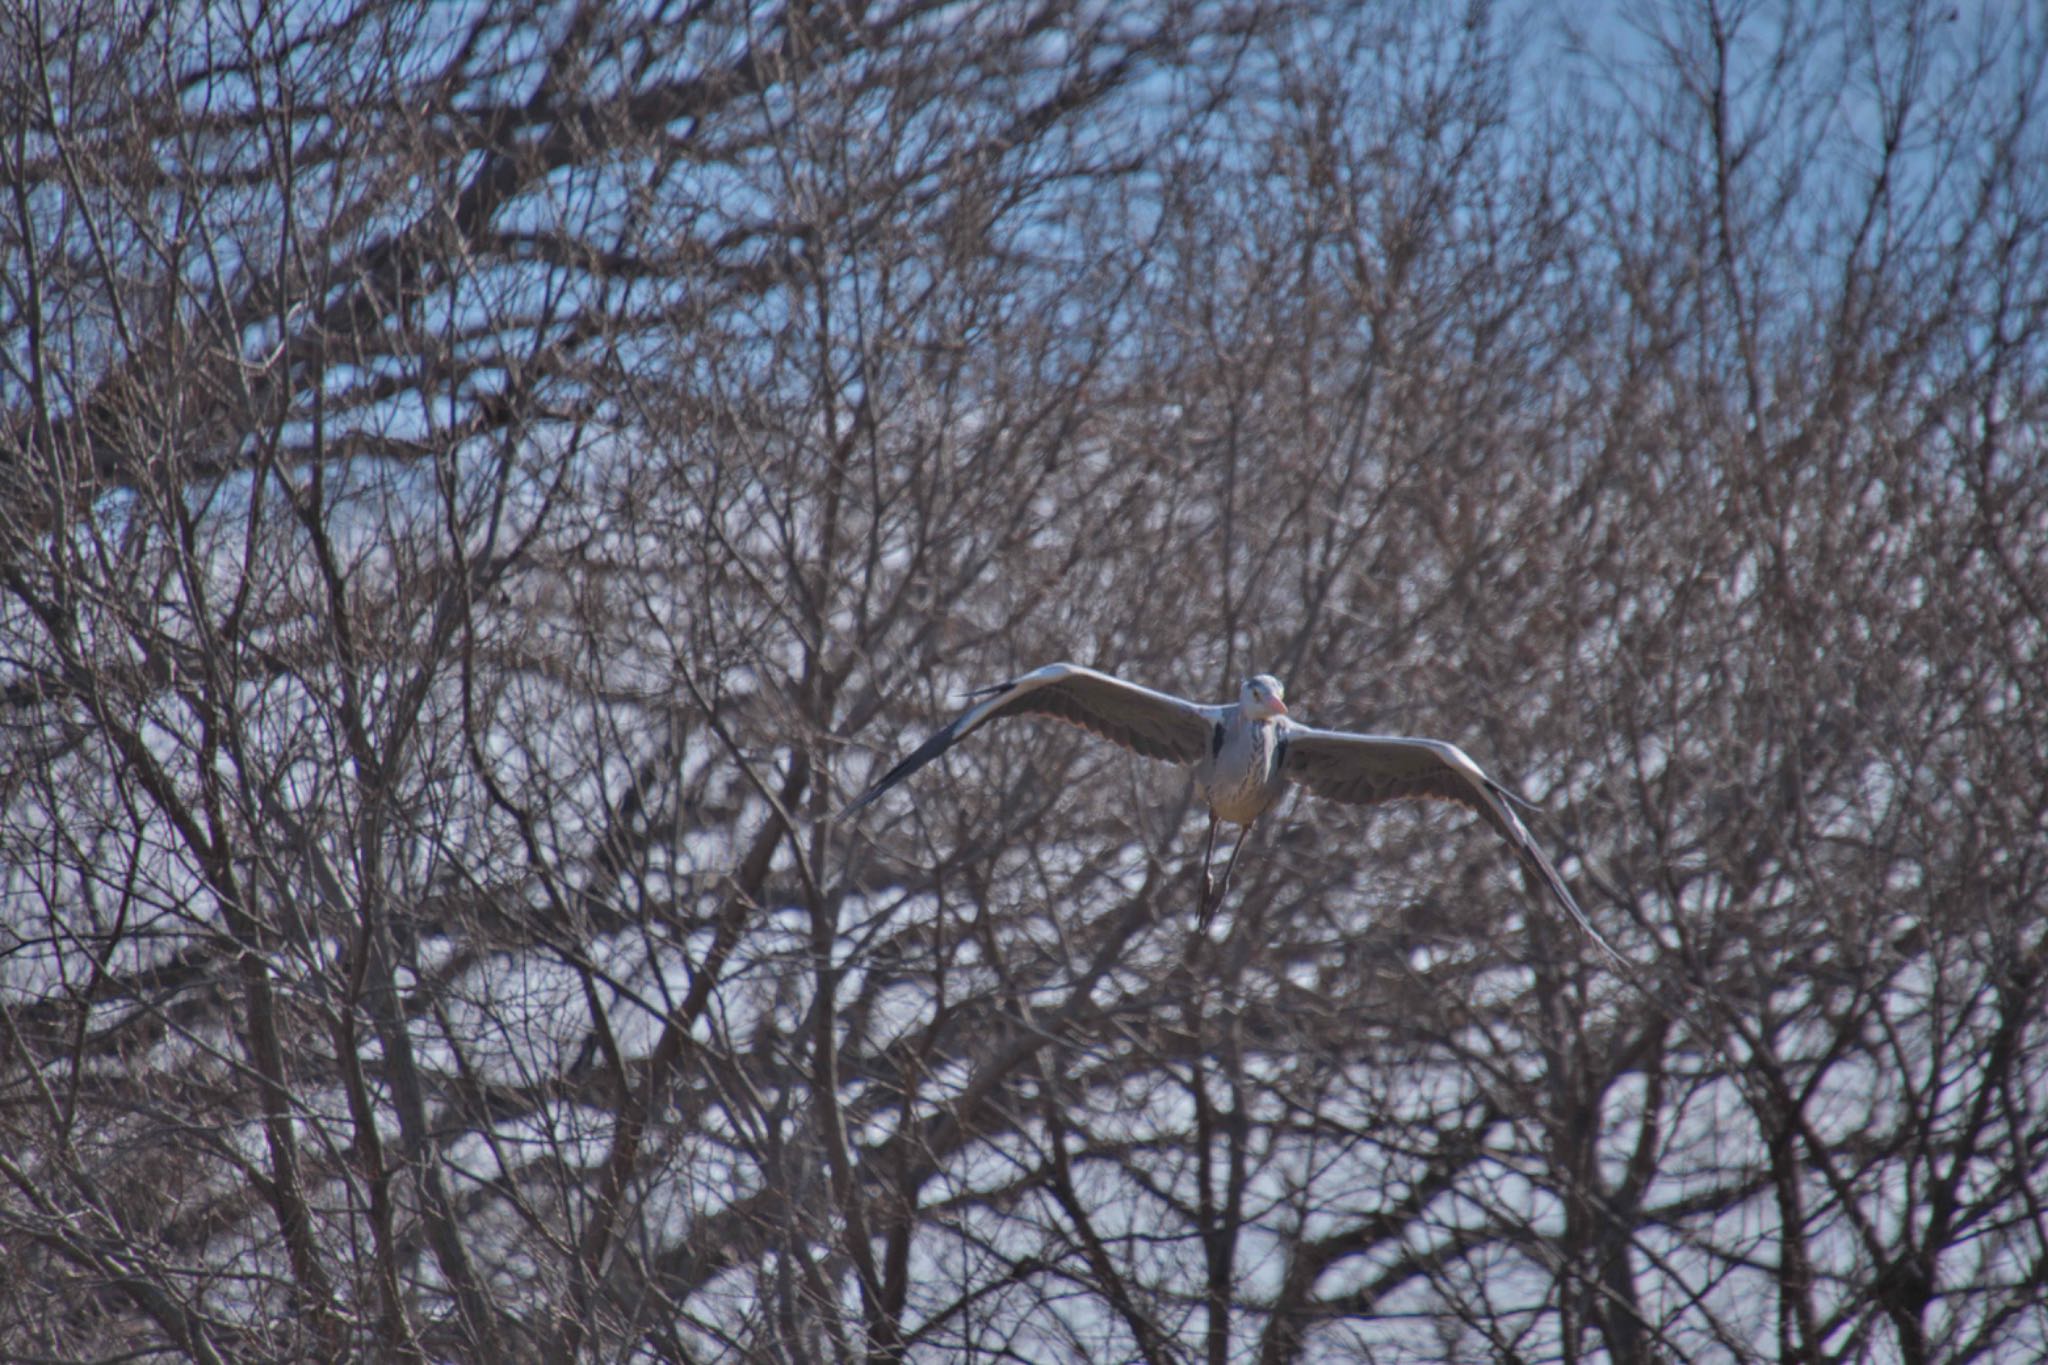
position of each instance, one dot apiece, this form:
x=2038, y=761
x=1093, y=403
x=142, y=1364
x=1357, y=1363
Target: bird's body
x=1244, y=754
x=1240, y=779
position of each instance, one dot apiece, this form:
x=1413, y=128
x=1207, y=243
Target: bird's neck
x=1260, y=735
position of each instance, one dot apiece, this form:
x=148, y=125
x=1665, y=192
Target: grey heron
x=1243, y=755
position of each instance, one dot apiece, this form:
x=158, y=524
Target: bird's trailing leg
x=1214, y=891
x=1208, y=878
x=1222, y=890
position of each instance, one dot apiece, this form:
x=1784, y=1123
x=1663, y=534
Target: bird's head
x=1262, y=697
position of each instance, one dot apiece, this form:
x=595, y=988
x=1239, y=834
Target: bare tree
x=483, y=486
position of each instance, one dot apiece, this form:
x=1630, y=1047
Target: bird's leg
x=1231, y=866
x=1208, y=878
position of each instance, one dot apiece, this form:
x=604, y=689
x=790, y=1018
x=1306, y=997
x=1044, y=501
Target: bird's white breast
x=1239, y=780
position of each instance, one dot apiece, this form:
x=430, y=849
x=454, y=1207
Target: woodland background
x=482, y=483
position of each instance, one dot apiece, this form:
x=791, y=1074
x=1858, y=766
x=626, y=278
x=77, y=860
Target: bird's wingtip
x=1585, y=923
x=857, y=805
x=1515, y=798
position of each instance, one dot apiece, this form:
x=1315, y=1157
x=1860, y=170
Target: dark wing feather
x=1365, y=770
x=1154, y=724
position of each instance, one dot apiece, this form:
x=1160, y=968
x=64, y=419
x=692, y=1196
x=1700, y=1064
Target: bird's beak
x=1279, y=707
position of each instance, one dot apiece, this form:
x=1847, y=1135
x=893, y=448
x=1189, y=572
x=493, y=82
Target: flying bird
x=1244, y=755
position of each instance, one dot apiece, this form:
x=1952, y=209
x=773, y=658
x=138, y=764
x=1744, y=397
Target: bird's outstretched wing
x=1154, y=724
x=1365, y=770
